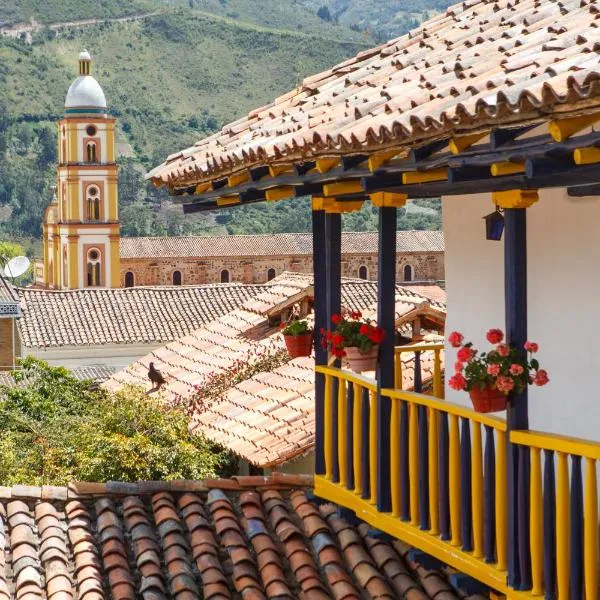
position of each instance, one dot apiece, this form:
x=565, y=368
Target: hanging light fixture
x=494, y=225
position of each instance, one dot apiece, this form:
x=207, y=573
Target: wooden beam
x=305, y=167
x=238, y=178
x=425, y=176
x=276, y=170
x=460, y=143
x=228, y=200
x=579, y=191
x=501, y=137
x=203, y=187
x=424, y=152
x=456, y=175
x=562, y=129
x=379, y=158
x=515, y=198
x=507, y=168
x=342, y=187
x=258, y=173
x=388, y=200
x=351, y=162
x=326, y=164
x=279, y=193
x=586, y=156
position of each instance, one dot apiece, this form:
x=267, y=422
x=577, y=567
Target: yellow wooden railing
x=419, y=354
x=561, y=542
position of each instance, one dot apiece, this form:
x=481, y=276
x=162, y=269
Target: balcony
x=450, y=484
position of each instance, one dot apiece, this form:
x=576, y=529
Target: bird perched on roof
x=156, y=377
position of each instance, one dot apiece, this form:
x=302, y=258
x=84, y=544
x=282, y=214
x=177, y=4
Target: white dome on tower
x=85, y=96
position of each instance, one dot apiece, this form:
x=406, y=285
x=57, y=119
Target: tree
x=323, y=13
x=55, y=429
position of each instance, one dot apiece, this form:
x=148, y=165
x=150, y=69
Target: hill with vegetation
x=173, y=72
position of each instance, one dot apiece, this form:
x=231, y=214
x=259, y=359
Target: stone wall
x=426, y=266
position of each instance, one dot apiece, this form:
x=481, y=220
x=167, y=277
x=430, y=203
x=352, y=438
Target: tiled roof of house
x=96, y=373
x=282, y=244
x=479, y=63
x=123, y=316
x=247, y=537
x=9, y=299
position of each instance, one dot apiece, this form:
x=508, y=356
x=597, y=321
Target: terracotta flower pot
x=362, y=361
x=487, y=399
x=298, y=345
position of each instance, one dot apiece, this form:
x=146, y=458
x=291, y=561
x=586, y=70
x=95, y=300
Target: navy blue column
x=333, y=274
x=386, y=298
x=320, y=309
x=515, y=282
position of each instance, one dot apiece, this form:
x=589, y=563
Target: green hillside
x=173, y=74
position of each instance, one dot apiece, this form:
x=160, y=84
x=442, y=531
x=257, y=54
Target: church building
x=81, y=231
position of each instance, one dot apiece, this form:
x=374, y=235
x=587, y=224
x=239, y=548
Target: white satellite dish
x=16, y=266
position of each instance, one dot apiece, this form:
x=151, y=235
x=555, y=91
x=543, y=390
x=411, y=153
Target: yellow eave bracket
x=332, y=206
x=586, y=156
x=203, y=187
x=326, y=164
x=228, y=200
x=424, y=176
x=279, y=193
x=460, y=143
x=388, y=200
x=238, y=178
x=507, y=168
x=275, y=170
x=562, y=129
x=515, y=198
x=378, y=159
x=342, y=187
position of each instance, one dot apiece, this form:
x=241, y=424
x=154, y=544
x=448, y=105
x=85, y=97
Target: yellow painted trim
x=500, y=502
x=477, y=490
x=326, y=164
x=434, y=507
x=361, y=380
x=111, y=148
x=562, y=129
x=346, y=206
x=413, y=536
x=515, y=198
x=115, y=262
x=563, y=539
x=228, y=200
x=343, y=187
x=395, y=452
x=438, y=384
x=73, y=257
x=590, y=524
x=397, y=371
x=203, y=187
x=454, y=481
x=320, y=203
x=357, y=437
x=460, y=143
x=424, y=176
x=586, y=156
x=275, y=170
x=536, y=520
x=378, y=159
x=413, y=462
x=507, y=168
x=373, y=446
x=341, y=430
x=328, y=426
x=388, y=199
x=556, y=443
x=238, y=178
x=279, y=193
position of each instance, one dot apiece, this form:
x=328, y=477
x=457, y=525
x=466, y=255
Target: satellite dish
x=16, y=266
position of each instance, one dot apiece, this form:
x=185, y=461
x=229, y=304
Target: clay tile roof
x=123, y=316
x=9, y=299
x=282, y=244
x=267, y=419
x=481, y=63
x=245, y=537
x=96, y=373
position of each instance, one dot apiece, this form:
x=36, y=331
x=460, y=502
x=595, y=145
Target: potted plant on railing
x=297, y=335
x=490, y=377
x=355, y=339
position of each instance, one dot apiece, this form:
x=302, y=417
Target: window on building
x=94, y=264
x=270, y=274
x=91, y=152
x=176, y=277
x=129, y=279
x=363, y=272
x=408, y=273
x=93, y=204
x=91, y=130
x=224, y=276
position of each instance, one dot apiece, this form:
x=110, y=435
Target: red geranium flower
x=455, y=339
x=465, y=354
x=541, y=377
x=364, y=329
x=335, y=319
x=503, y=350
x=495, y=336
x=337, y=340
x=457, y=382
x=531, y=347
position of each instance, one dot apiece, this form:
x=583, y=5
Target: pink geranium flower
x=531, y=347
x=495, y=336
x=541, y=377
x=493, y=370
x=516, y=369
x=505, y=384
x=503, y=350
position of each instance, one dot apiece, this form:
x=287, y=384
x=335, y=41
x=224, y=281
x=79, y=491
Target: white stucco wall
x=563, y=290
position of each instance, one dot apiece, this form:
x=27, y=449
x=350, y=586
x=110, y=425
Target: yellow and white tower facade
x=81, y=226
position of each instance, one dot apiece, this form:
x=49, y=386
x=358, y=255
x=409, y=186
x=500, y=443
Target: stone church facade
x=259, y=258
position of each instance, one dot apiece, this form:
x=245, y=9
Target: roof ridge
x=81, y=489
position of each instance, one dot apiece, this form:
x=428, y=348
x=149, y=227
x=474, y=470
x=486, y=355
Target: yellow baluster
x=590, y=544
x=373, y=447
x=395, y=456
x=398, y=370
x=357, y=438
x=438, y=388
x=413, y=462
x=454, y=476
x=477, y=491
x=536, y=531
x=563, y=538
x=501, y=518
x=434, y=507
x=341, y=425
x=328, y=427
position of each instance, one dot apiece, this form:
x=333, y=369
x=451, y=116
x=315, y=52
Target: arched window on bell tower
x=91, y=152
x=93, y=203
x=94, y=268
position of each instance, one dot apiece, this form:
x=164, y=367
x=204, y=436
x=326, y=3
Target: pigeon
x=156, y=376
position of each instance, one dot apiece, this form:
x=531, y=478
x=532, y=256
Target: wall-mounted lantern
x=494, y=225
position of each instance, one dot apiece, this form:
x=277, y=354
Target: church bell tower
x=81, y=225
